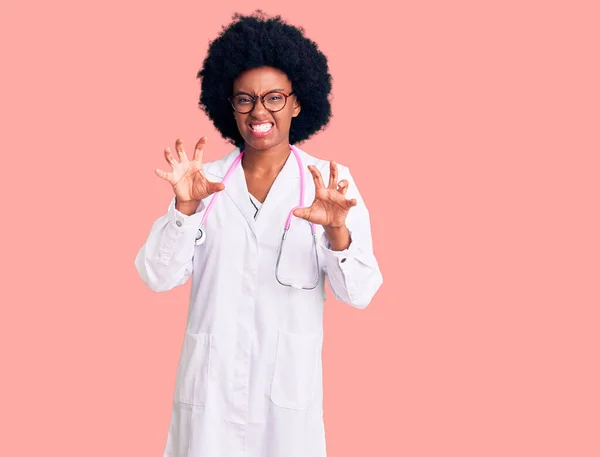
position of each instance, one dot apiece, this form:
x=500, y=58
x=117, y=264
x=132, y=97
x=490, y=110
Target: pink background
x=472, y=129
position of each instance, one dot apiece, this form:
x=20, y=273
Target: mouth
x=261, y=129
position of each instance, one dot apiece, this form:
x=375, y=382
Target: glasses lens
x=242, y=103
x=274, y=101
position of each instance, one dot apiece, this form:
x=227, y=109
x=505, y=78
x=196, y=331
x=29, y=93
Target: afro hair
x=255, y=41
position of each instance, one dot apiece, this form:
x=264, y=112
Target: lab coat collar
x=287, y=182
x=284, y=194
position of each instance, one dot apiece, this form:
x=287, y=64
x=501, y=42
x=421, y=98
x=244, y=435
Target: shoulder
x=217, y=168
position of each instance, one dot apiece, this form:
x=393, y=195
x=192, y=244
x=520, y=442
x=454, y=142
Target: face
x=258, y=82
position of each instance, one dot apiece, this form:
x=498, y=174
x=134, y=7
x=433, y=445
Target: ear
x=297, y=107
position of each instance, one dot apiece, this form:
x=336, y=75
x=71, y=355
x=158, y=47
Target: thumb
x=301, y=212
x=217, y=186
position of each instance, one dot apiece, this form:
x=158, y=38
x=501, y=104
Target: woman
x=249, y=381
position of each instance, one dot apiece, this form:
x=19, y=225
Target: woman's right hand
x=187, y=178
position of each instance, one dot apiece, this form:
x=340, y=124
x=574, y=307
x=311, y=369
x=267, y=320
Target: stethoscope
x=201, y=238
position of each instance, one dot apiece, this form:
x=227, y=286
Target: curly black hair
x=255, y=41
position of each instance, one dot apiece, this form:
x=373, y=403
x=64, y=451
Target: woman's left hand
x=330, y=206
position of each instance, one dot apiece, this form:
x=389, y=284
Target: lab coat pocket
x=295, y=369
x=192, y=373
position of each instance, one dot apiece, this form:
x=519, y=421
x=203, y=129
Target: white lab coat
x=249, y=380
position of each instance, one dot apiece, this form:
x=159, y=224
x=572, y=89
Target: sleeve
x=353, y=273
x=166, y=258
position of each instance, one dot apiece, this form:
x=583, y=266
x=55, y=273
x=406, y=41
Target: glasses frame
x=262, y=100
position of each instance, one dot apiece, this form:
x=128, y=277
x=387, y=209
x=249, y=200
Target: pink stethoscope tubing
x=202, y=237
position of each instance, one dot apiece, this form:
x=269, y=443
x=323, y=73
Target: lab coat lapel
x=235, y=187
x=283, y=195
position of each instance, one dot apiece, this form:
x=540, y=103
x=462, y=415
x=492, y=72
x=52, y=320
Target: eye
x=274, y=97
x=244, y=100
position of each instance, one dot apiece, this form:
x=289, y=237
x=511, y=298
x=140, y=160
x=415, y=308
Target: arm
x=166, y=259
x=353, y=273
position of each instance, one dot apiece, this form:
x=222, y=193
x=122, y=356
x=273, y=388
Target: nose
x=258, y=107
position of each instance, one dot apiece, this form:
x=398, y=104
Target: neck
x=265, y=162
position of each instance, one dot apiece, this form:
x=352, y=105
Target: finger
x=304, y=213
x=333, y=172
x=179, y=149
x=343, y=186
x=162, y=174
x=216, y=187
x=169, y=157
x=351, y=202
x=316, y=176
x=198, y=152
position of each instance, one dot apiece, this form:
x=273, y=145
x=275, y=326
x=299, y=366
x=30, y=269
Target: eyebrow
x=240, y=92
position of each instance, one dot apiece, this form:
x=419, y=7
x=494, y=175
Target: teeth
x=262, y=127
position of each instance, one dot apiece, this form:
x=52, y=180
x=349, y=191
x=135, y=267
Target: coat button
x=343, y=260
x=178, y=222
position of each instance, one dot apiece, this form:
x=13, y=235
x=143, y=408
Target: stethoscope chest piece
x=201, y=238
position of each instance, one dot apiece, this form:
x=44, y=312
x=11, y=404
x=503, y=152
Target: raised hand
x=330, y=206
x=187, y=178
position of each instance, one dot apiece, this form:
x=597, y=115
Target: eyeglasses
x=272, y=101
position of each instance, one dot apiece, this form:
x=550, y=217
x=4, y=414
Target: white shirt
x=249, y=379
x=255, y=203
